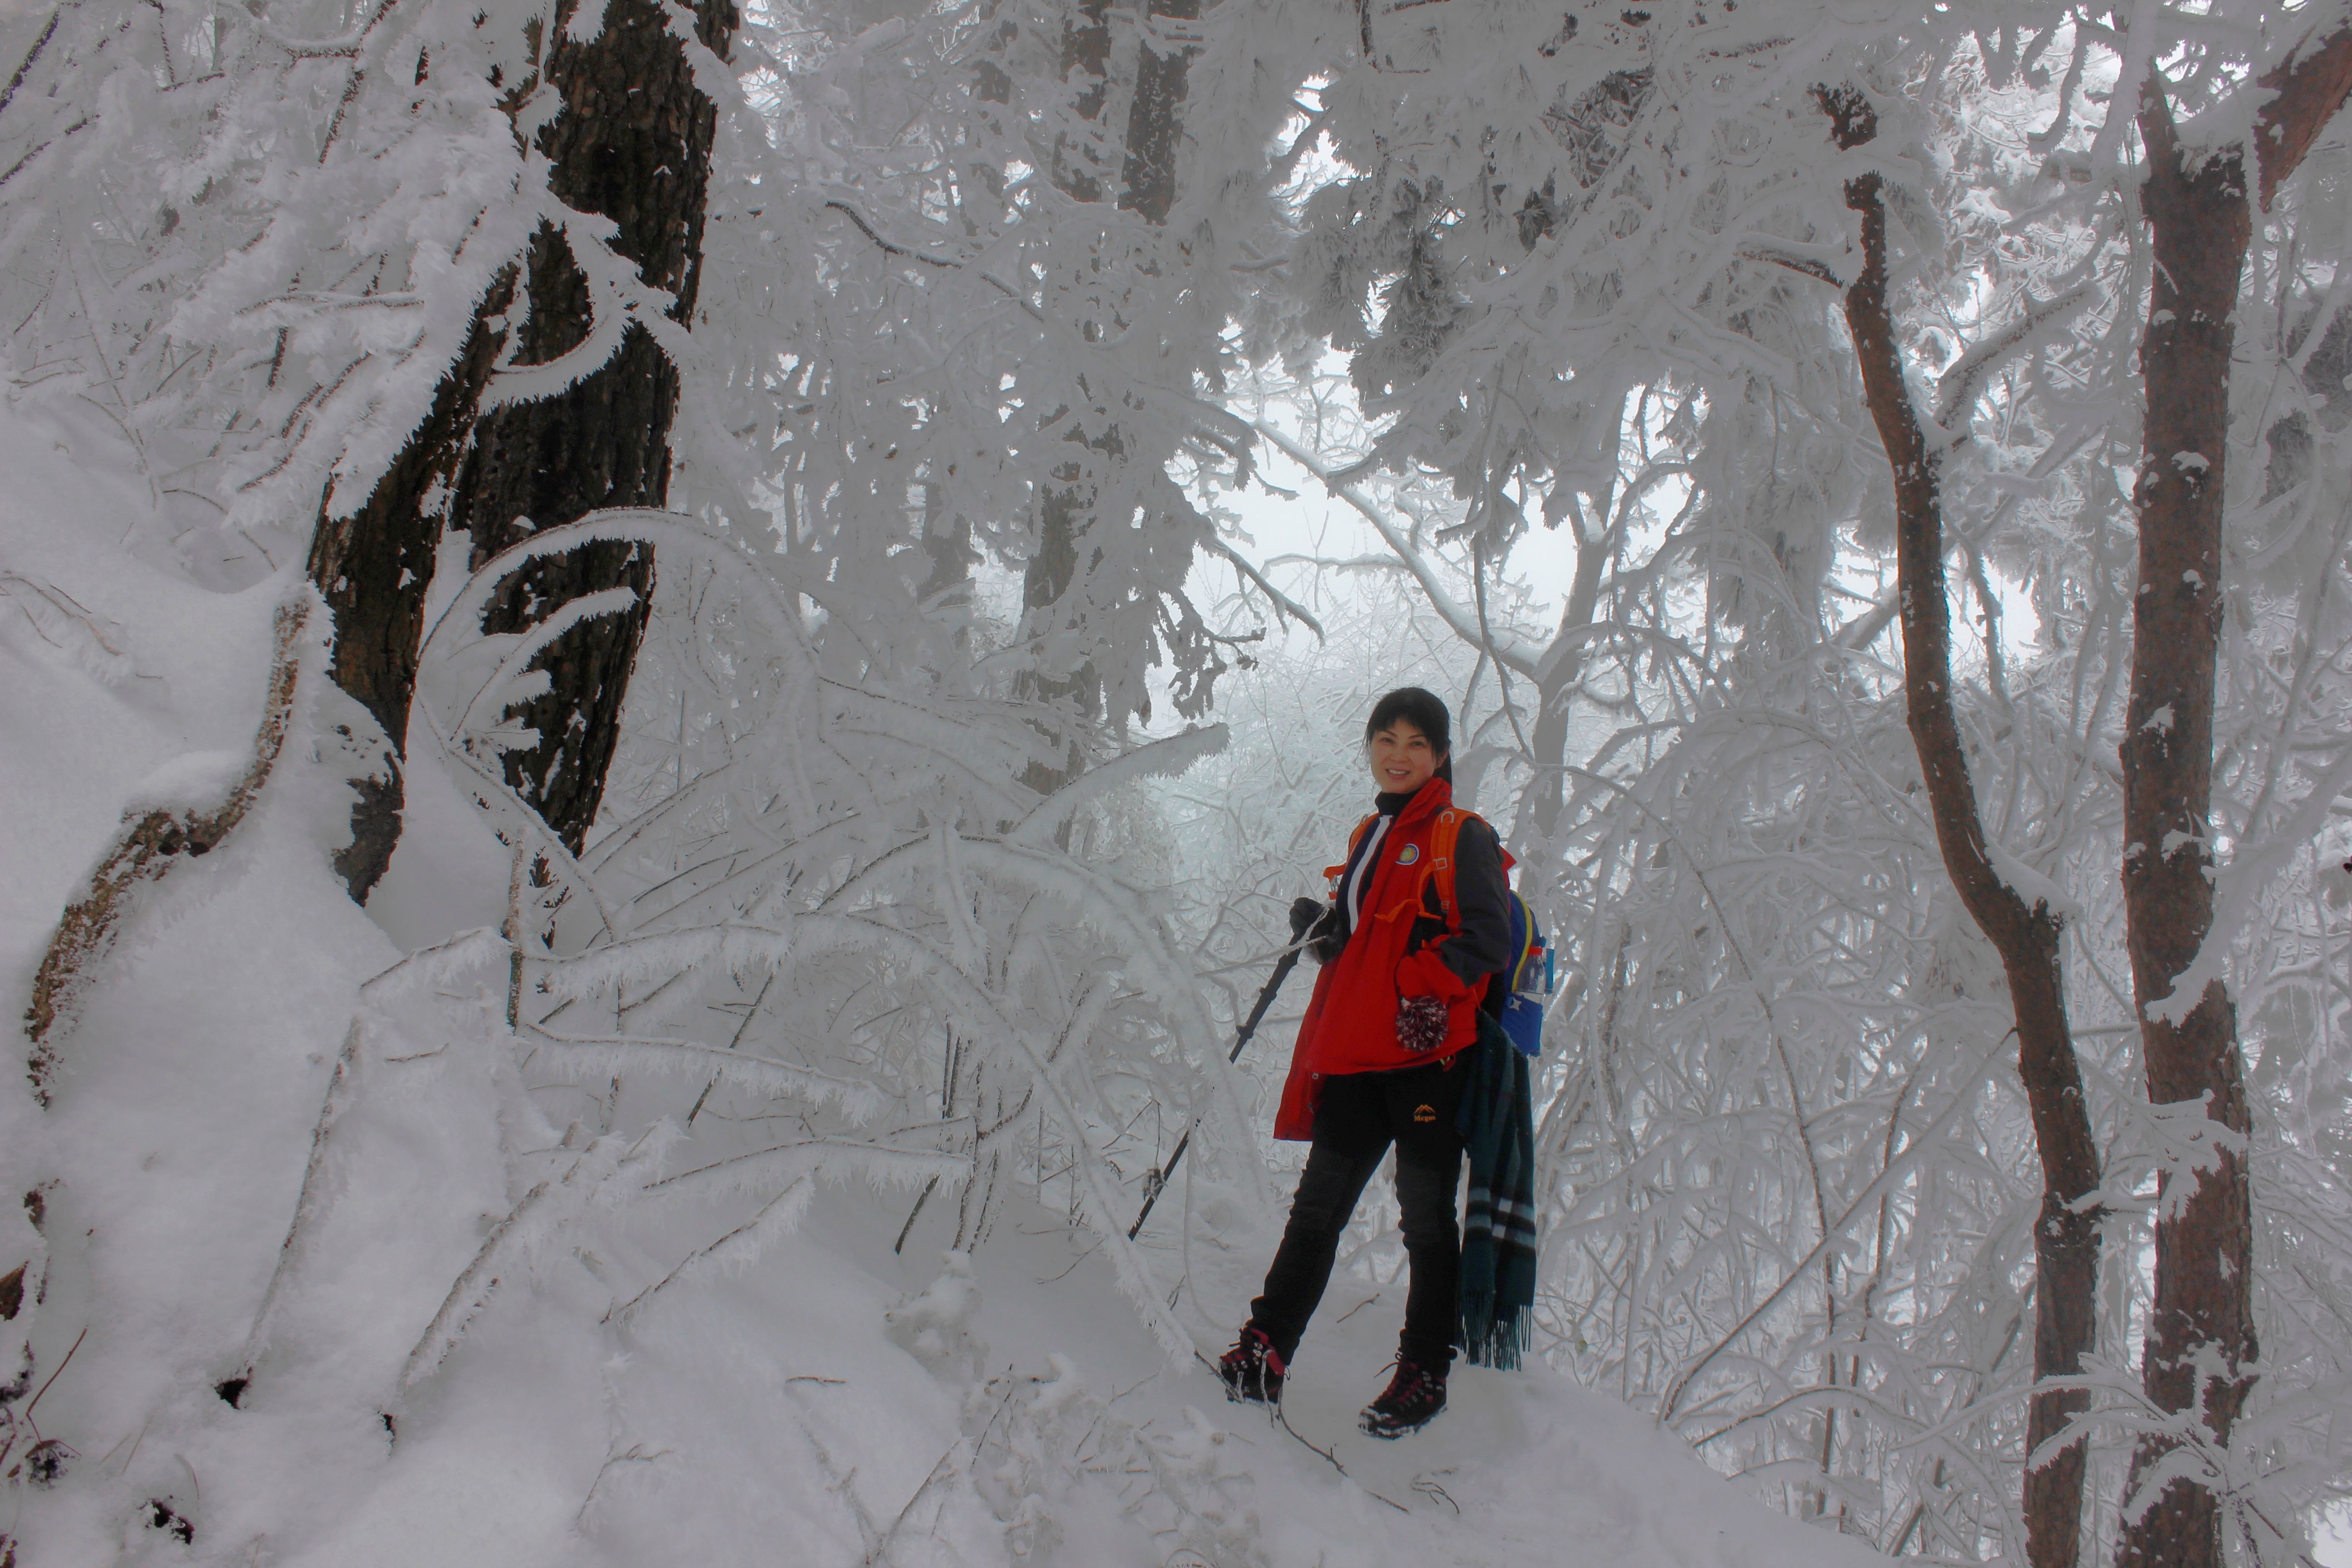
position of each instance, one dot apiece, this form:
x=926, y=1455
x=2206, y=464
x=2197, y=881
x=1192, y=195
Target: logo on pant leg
x=1424, y=1113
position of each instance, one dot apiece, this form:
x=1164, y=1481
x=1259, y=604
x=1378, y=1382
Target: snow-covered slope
x=460, y=1333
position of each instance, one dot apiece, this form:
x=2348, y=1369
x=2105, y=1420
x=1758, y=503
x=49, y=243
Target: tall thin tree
x=2023, y=929
x=2200, y=1346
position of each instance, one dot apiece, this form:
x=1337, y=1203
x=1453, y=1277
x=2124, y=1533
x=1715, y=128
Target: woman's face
x=1403, y=759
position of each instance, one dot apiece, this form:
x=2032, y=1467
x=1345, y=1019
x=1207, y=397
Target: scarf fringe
x=1492, y=1339
x=1496, y=1296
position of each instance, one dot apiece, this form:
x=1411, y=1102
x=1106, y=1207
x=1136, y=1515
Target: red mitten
x=1421, y=1023
x=1424, y=973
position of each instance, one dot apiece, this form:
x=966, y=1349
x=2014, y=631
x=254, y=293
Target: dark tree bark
x=1561, y=671
x=1148, y=176
x=1065, y=509
x=633, y=143
x=1065, y=503
x=2195, y=204
x=373, y=569
x=1155, y=121
x=2066, y=1238
x=1086, y=55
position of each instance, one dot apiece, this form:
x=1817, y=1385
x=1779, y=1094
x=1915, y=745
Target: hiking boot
x=1252, y=1371
x=1414, y=1397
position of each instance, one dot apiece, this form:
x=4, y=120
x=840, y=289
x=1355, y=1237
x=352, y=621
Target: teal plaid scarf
x=1498, y=1235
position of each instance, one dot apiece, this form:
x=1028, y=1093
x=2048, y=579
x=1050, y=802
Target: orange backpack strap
x=1443, y=840
x=1333, y=873
x=1442, y=857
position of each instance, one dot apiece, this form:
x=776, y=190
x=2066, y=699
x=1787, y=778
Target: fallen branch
x=341, y=1086
x=794, y=1199
x=150, y=847
x=1282, y=1420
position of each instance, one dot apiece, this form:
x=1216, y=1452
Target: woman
x=1379, y=1059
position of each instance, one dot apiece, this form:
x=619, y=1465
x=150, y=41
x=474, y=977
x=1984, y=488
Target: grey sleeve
x=1483, y=944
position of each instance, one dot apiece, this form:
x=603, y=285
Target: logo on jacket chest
x=1408, y=855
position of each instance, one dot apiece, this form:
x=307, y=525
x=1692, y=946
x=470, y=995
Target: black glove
x=1318, y=923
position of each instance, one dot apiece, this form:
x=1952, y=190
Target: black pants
x=1357, y=1117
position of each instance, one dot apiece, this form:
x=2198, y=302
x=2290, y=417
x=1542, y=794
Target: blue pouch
x=1523, y=1010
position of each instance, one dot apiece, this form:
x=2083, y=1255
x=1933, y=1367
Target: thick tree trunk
x=1065, y=510
x=2204, y=1245
x=373, y=569
x=2201, y=1342
x=633, y=143
x=1086, y=55
x=1155, y=121
x=2066, y=1238
x=1065, y=503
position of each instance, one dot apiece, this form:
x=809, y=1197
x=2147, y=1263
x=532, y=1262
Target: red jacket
x=1350, y=1024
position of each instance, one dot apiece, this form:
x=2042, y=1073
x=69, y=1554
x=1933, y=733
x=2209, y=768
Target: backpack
x=1521, y=1010
x=1522, y=1006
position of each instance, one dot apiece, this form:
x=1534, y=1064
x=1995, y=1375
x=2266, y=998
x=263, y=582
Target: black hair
x=1425, y=712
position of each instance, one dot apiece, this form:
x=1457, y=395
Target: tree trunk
x=1064, y=511
x=1561, y=670
x=1066, y=506
x=1065, y=502
x=1155, y=122
x=2066, y=1238
x=2201, y=1342
x=1086, y=54
x=632, y=143
x=375, y=567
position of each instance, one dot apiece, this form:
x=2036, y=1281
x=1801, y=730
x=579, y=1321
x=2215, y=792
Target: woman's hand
x=1424, y=973
x=1321, y=923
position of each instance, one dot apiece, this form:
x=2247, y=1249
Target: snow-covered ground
x=577, y=1397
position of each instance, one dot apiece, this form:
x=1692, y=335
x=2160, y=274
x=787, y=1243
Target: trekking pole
x=1303, y=914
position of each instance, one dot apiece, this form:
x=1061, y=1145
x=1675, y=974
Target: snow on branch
x=499, y=691
x=608, y=1168
x=1165, y=758
x=415, y=978
x=1963, y=383
x=1284, y=605
x=732, y=946
x=738, y=1249
x=760, y=1172
x=2308, y=87
x=618, y=299
x=1460, y=619
x=576, y=1056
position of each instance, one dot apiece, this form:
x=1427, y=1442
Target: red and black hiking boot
x=1414, y=1397
x=1252, y=1371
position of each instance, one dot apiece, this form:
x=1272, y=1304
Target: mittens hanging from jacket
x=1422, y=1023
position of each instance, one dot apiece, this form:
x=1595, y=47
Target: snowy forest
x=666, y=669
